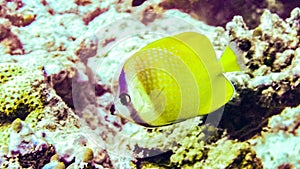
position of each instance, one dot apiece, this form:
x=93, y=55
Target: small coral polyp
x=7, y=71
x=21, y=91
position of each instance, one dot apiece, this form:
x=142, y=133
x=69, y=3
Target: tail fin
x=231, y=60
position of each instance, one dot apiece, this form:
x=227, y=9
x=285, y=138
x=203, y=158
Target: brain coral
x=22, y=96
x=21, y=91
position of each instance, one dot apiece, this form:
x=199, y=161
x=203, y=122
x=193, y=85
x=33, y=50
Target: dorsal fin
x=201, y=45
x=229, y=61
x=222, y=89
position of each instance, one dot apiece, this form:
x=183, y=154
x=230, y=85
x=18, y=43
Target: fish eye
x=125, y=99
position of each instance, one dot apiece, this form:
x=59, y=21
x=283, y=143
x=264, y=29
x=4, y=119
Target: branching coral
x=272, y=81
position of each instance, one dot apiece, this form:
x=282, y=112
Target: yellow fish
x=173, y=79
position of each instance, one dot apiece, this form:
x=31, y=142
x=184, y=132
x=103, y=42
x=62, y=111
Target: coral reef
x=44, y=113
x=246, y=115
x=281, y=132
x=22, y=96
x=25, y=147
x=56, y=96
x=273, y=79
x=200, y=147
x=9, y=42
x=22, y=91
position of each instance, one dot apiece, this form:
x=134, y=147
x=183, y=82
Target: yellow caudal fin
x=231, y=59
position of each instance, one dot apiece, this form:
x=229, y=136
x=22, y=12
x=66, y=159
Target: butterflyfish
x=173, y=79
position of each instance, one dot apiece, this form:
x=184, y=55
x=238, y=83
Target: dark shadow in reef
x=219, y=12
x=78, y=94
x=245, y=121
x=161, y=158
x=248, y=119
x=43, y=155
x=288, y=5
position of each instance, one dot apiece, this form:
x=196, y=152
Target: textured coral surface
x=58, y=63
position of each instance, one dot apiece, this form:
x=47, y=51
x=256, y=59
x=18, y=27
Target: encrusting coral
x=202, y=147
x=36, y=115
x=30, y=112
x=22, y=91
x=23, y=97
x=281, y=132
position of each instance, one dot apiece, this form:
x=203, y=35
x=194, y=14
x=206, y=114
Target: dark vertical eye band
x=122, y=82
x=125, y=99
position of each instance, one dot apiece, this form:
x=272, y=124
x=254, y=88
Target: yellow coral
x=8, y=70
x=205, y=147
x=21, y=91
x=88, y=155
x=17, y=125
x=55, y=157
x=60, y=165
x=22, y=97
